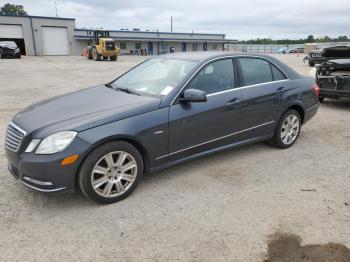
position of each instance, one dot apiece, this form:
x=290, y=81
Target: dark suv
x=166, y=110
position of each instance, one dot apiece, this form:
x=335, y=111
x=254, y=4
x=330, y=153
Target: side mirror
x=194, y=95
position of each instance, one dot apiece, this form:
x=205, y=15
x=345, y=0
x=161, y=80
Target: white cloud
x=237, y=19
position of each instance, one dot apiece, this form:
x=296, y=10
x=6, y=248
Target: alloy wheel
x=114, y=174
x=290, y=129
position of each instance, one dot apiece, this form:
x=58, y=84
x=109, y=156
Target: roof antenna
x=56, y=10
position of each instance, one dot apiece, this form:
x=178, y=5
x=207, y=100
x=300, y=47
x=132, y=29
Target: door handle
x=233, y=101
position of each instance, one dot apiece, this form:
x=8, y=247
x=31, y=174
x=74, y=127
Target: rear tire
x=321, y=99
x=311, y=64
x=287, y=130
x=114, y=58
x=107, y=169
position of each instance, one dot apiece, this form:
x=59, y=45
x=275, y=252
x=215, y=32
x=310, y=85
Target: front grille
x=14, y=137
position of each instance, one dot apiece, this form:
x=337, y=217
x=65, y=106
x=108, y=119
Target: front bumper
x=10, y=52
x=44, y=173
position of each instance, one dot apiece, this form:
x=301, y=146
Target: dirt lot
x=223, y=207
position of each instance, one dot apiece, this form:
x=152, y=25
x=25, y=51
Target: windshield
x=156, y=76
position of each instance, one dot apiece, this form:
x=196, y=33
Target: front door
x=184, y=46
x=150, y=48
x=198, y=127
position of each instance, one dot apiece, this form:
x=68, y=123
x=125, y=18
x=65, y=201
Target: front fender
x=149, y=130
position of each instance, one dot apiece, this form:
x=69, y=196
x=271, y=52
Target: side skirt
x=209, y=152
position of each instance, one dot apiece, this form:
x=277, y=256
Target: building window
x=194, y=47
x=164, y=45
x=215, y=46
x=137, y=45
x=205, y=47
x=122, y=45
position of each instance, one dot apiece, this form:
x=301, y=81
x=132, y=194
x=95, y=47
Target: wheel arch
x=129, y=139
x=297, y=107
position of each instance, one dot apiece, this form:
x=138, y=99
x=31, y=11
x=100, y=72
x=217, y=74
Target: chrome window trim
x=215, y=139
x=231, y=57
x=243, y=87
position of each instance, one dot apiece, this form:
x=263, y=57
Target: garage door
x=11, y=31
x=55, y=41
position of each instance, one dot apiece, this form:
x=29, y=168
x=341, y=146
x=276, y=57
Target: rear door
x=197, y=127
x=262, y=85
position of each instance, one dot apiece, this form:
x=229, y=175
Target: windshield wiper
x=127, y=90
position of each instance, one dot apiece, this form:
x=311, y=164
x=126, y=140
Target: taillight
x=316, y=89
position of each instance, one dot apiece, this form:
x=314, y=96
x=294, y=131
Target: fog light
x=69, y=160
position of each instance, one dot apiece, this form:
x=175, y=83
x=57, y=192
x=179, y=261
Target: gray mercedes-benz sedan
x=166, y=110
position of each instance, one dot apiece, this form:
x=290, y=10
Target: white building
x=38, y=35
x=155, y=42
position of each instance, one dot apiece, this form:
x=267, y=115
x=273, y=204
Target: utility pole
x=171, y=24
x=56, y=10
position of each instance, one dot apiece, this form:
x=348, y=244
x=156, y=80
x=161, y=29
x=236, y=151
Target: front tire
x=114, y=58
x=321, y=99
x=111, y=172
x=287, y=130
x=96, y=56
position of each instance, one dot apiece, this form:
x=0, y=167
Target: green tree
x=9, y=9
x=310, y=39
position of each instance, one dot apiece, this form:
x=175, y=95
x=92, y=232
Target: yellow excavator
x=102, y=47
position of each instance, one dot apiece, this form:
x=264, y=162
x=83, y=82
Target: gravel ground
x=222, y=207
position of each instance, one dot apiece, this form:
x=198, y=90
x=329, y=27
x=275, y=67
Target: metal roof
x=148, y=32
x=39, y=17
x=157, y=39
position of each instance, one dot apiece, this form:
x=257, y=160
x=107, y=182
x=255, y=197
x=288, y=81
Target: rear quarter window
x=277, y=74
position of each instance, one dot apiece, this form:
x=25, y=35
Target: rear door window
x=255, y=71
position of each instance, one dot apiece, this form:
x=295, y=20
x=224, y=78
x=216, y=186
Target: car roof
x=204, y=56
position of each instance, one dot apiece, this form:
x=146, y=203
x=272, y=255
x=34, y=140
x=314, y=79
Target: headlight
x=56, y=142
x=32, y=145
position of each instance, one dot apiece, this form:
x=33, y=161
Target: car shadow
x=336, y=104
x=149, y=180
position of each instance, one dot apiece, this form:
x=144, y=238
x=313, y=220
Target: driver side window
x=215, y=77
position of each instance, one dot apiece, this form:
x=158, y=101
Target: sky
x=237, y=19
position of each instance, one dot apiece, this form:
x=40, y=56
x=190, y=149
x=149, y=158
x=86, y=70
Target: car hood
x=82, y=110
x=337, y=51
x=8, y=46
